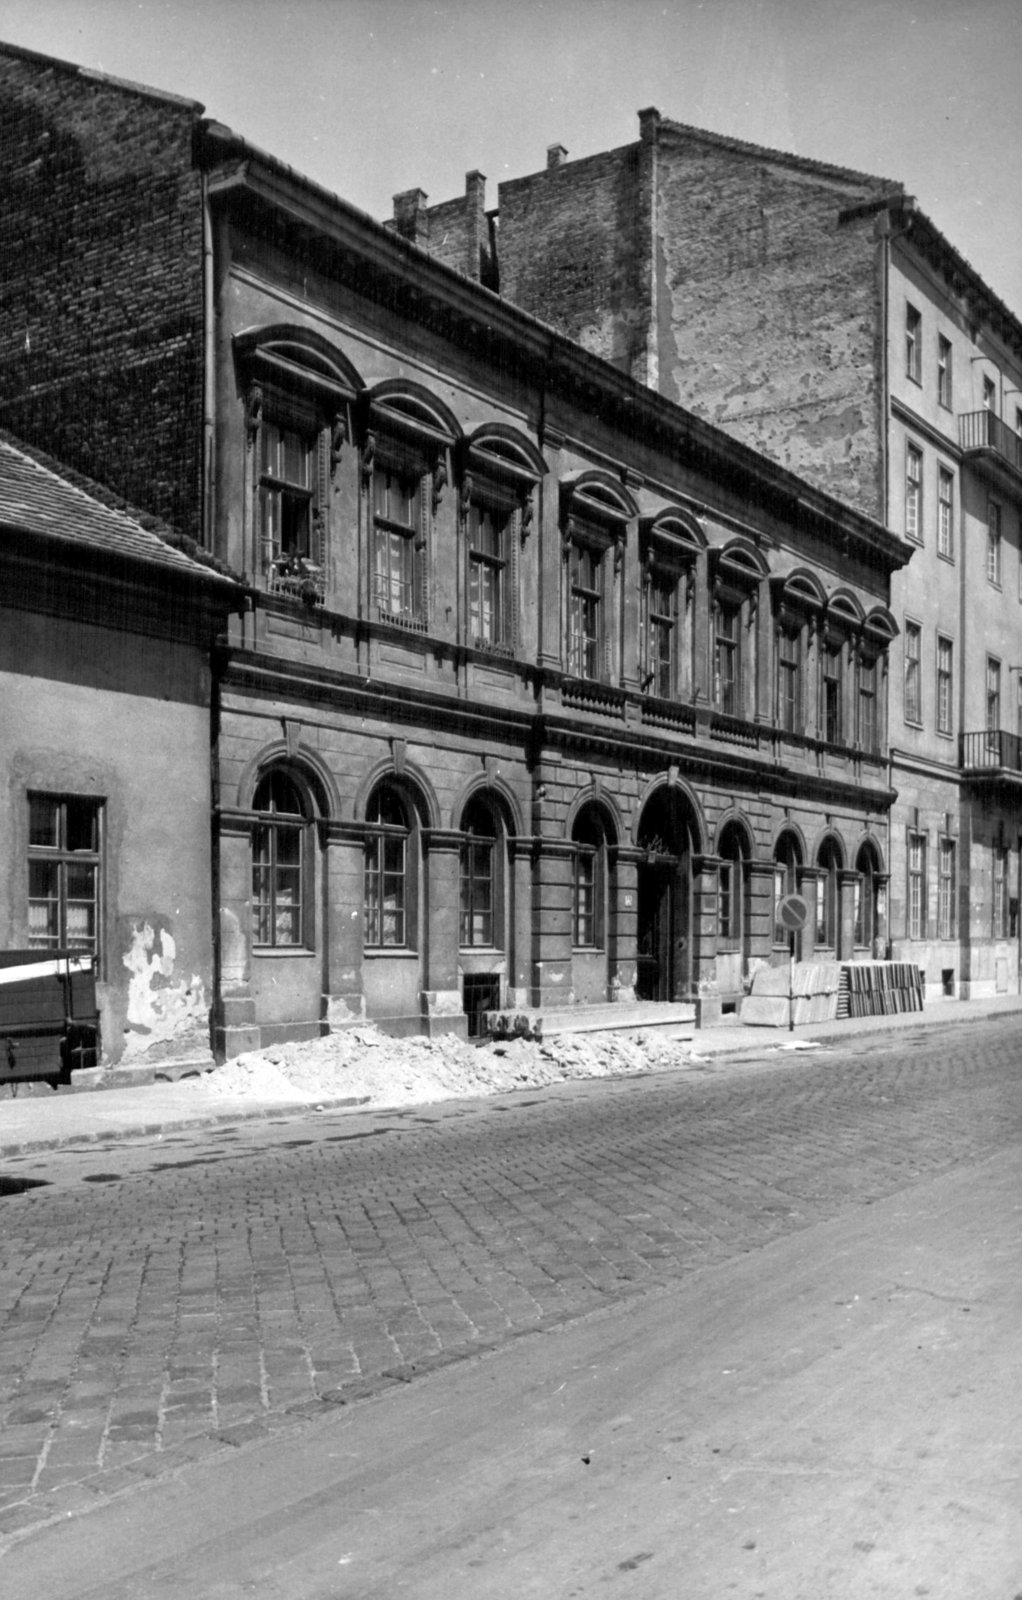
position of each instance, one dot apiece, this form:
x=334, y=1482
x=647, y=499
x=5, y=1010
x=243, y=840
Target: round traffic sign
x=793, y=913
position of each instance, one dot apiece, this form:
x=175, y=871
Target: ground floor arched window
x=279, y=864
x=868, y=897
x=828, y=895
x=390, y=862
x=787, y=861
x=481, y=877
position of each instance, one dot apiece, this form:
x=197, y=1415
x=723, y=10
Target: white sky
x=370, y=97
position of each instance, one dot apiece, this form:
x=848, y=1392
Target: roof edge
x=142, y=90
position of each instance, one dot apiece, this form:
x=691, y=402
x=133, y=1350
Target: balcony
x=294, y=578
x=992, y=754
x=982, y=434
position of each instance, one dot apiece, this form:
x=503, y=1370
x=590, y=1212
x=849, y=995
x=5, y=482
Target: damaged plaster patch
x=160, y=1010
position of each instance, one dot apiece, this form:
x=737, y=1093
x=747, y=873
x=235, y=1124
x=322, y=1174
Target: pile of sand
x=361, y=1063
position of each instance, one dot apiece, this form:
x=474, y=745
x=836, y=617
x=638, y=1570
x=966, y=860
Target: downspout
x=885, y=489
x=208, y=373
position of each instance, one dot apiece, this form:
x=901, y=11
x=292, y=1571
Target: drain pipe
x=208, y=373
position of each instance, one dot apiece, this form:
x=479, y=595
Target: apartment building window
x=945, y=684
x=489, y=619
x=789, y=679
x=914, y=493
x=828, y=898
x=585, y=612
x=917, y=885
x=589, y=889
x=787, y=860
x=278, y=863
x=946, y=890
x=727, y=658
x=913, y=344
x=913, y=652
x=1000, y=866
x=944, y=371
x=731, y=880
x=993, y=702
x=868, y=719
x=64, y=872
x=387, y=877
x=661, y=596
x=946, y=514
x=478, y=877
x=994, y=543
x=285, y=492
x=831, y=668
x=989, y=395
x=398, y=542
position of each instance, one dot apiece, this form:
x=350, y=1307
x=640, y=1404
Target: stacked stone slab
x=880, y=988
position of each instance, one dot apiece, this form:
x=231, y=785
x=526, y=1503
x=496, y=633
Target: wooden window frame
x=59, y=860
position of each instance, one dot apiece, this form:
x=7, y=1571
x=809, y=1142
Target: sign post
x=792, y=914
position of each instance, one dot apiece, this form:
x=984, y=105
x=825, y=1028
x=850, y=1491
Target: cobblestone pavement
x=163, y=1297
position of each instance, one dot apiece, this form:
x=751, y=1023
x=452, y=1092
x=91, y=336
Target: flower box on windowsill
x=294, y=578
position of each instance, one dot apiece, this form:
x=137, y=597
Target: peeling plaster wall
x=769, y=311
x=146, y=758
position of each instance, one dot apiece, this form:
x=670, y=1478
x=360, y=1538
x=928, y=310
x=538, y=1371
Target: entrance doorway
x=664, y=968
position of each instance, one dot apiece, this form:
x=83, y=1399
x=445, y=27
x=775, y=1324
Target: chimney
x=556, y=156
x=477, y=229
x=649, y=123
x=411, y=219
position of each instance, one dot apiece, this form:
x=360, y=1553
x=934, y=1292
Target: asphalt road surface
x=188, y=1324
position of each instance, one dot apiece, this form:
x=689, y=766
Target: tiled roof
x=37, y=499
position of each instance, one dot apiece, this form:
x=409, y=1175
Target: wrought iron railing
x=984, y=430
x=991, y=748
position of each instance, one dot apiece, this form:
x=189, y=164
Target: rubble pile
x=363, y=1063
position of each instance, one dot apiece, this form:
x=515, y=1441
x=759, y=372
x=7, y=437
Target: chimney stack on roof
x=556, y=155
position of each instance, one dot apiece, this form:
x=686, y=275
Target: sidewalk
x=44, y=1121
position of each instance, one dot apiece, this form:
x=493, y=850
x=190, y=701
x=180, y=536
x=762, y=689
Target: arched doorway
x=664, y=967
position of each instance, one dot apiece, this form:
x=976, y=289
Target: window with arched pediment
x=407, y=437
x=500, y=472
x=669, y=547
x=737, y=571
x=595, y=512
x=298, y=394
x=799, y=600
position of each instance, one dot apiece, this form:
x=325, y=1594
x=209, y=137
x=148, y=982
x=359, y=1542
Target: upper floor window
x=64, y=870
x=585, y=612
x=944, y=371
x=913, y=493
x=489, y=532
x=913, y=344
x=398, y=545
x=832, y=685
x=595, y=511
x=989, y=394
x=727, y=658
x=789, y=678
x=661, y=596
x=869, y=730
x=945, y=684
x=993, y=695
x=278, y=863
x=913, y=651
x=298, y=390
x=994, y=543
x=945, y=513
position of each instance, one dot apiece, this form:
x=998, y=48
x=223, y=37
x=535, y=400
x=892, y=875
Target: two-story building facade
x=546, y=690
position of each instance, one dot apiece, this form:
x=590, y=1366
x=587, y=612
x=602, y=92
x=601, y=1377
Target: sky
x=372, y=97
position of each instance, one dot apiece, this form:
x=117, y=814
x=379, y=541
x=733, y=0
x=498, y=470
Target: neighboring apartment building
x=817, y=315
x=106, y=634
x=546, y=690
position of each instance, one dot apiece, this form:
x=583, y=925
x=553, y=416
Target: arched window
x=866, y=896
x=480, y=878
x=787, y=860
x=829, y=862
x=589, y=837
x=278, y=862
x=731, y=887
x=389, y=880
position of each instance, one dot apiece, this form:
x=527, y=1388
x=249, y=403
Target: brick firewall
x=101, y=274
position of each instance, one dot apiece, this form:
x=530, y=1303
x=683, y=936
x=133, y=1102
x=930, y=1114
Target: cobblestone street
x=171, y=1295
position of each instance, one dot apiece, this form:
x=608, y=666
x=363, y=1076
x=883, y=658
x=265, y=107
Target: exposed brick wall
x=101, y=282
x=768, y=310
x=571, y=253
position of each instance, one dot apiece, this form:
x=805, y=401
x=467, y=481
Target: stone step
x=616, y=1018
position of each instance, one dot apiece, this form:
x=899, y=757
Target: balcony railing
x=983, y=430
x=992, y=750
x=293, y=578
